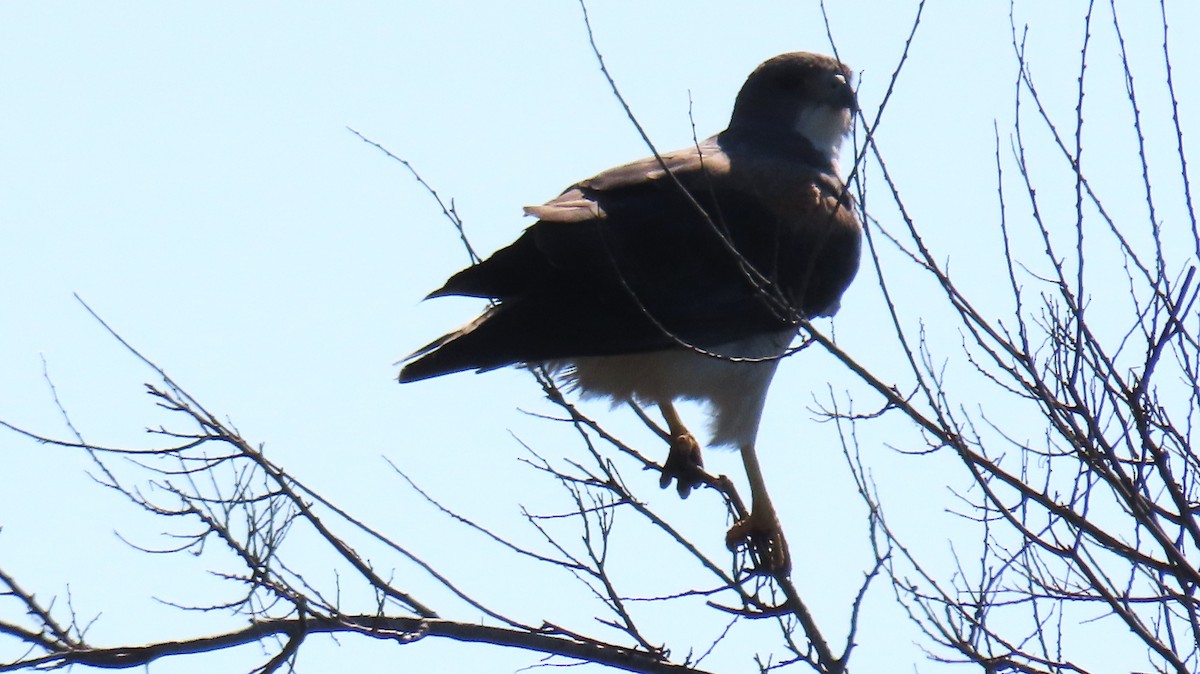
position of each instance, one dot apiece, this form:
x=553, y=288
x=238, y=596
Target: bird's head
x=803, y=94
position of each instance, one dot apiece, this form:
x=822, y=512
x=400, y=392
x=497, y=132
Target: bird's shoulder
x=662, y=174
x=663, y=207
x=778, y=179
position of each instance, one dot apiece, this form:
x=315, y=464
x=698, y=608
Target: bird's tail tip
x=435, y=359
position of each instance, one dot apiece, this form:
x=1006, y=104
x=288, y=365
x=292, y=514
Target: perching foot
x=762, y=534
x=684, y=464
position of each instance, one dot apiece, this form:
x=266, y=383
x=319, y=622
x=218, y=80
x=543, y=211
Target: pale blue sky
x=187, y=170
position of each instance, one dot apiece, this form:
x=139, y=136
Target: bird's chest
x=807, y=242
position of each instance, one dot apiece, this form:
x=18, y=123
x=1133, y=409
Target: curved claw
x=763, y=536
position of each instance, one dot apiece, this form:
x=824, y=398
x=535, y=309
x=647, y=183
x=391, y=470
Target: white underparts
x=734, y=384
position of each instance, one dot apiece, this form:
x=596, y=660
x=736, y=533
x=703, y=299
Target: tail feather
x=438, y=357
x=533, y=330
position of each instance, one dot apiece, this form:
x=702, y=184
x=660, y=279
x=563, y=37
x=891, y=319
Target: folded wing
x=701, y=249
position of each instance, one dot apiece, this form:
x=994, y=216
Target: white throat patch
x=824, y=127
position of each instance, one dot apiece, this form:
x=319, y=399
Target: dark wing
x=628, y=261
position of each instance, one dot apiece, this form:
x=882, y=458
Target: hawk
x=682, y=276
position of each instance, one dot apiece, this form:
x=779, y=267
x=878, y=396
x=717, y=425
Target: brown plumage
x=685, y=278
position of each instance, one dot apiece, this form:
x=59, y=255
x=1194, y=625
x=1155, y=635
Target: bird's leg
x=684, y=463
x=761, y=529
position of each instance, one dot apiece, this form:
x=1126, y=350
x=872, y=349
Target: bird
x=682, y=276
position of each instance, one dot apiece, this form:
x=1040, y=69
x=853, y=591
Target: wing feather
x=628, y=261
